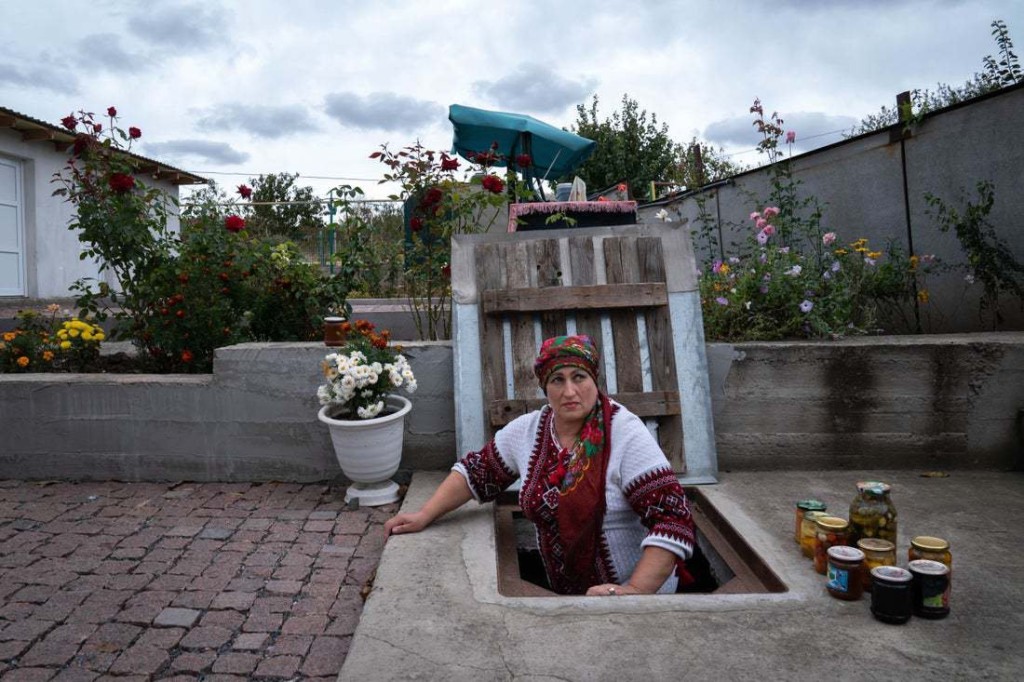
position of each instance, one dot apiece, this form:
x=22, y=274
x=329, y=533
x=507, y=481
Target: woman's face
x=571, y=393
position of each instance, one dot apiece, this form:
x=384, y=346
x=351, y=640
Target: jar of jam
x=845, y=566
x=872, y=514
x=891, y=594
x=802, y=507
x=809, y=532
x=877, y=552
x=832, y=531
x=930, y=588
x=928, y=547
x=334, y=331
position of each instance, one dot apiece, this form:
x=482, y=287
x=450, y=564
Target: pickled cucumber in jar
x=872, y=514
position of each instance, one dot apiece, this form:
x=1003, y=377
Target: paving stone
x=305, y=625
x=193, y=661
x=263, y=622
x=241, y=601
x=35, y=594
x=318, y=526
x=237, y=663
x=29, y=675
x=161, y=638
x=26, y=629
x=296, y=573
x=287, y=587
x=176, y=617
x=278, y=666
x=250, y=641
x=296, y=645
x=144, y=660
x=225, y=678
x=273, y=604
x=323, y=516
x=49, y=652
x=216, y=533
x=12, y=648
x=325, y=656
x=183, y=531
x=170, y=582
x=206, y=637
x=231, y=620
x=114, y=636
x=75, y=673
x=74, y=633
x=194, y=599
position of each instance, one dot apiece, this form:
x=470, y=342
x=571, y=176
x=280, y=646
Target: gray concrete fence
x=932, y=402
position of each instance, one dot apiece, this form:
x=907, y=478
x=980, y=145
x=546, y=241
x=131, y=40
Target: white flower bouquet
x=363, y=372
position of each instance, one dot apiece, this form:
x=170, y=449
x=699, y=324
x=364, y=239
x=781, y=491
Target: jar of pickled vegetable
x=844, y=569
x=928, y=547
x=832, y=532
x=802, y=507
x=809, y=532
x=877, y=552
x=872, y=514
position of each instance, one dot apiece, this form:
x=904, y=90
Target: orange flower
x=923, y=296
x=23, y=361
x=48, y=355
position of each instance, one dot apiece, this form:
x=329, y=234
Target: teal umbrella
x=553, y=152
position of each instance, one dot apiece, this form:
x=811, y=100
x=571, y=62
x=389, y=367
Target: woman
x=611, y=517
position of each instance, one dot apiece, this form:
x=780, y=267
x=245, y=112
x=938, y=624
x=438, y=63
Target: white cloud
x=381, y=111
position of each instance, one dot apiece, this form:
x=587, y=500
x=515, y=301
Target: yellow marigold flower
x=860, y=249
x=48, y=355
x=860, y=242
x=73, y=333
x=23, y=361
x=874, y=254
x=913, y=262
x=87, y=335
x=65, y=345
x=99, y=336
x=840, y=252
x=923, y=296
x=62, y=333
x=9, y=336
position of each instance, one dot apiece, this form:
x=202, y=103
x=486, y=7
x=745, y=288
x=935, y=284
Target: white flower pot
x=369, y=451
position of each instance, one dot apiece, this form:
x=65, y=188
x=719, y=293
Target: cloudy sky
x=234, y=89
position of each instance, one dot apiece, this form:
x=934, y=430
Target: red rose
x=111, y=112
x=446, y=270
x=431, y=198
x=186, y=356
x=524, y=161
x=224, y=276
x=81, y=144
x=183, y=277
x=97, y=127
x=416, y=224
x=234, y=223
x=449, y=164
x=134, y=133
x=121, y=182
x=244, y=191
x=180, y=313
x=492, y=183
x=69, y=122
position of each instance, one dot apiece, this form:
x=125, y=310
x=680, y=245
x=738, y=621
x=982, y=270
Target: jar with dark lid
x=334, y=331
x=845, y=565
x=872, y=514
x=877, y=552
x=802, y=507
x=831, y=532
x=809, y=532
x=930, y=588
x=891, y=594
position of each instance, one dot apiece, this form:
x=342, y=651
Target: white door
x=12, y=231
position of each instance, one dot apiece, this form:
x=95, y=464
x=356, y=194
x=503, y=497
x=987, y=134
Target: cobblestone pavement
x=186, y=581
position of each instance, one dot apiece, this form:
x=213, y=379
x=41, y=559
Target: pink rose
x=828, y=238
x=791, y=137
x=771, y=211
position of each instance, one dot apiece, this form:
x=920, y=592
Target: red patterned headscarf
x=566, y=351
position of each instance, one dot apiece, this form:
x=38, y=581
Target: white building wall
x=52, y=250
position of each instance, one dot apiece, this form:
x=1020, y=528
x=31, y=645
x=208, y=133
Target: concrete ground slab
x=435, y=612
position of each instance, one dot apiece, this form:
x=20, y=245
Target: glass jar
x=845, y=566
x=334, y=331
x=802, y=507
x=872, y=514
x=832, y=532
x=809, y=532
x=877, y=552
x=891, y=594
x=929, y=547
x=930, y=588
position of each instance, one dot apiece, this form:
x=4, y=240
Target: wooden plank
x=37, y=134
x=591, y=297
x=622, y=267
x=7, y=121
x=655, y=404
x=548, y=268
x=581, y=268
x=518, y=263
x=661, y=350
x=490, y=274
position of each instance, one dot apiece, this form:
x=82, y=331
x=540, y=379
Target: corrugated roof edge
x=63, y=136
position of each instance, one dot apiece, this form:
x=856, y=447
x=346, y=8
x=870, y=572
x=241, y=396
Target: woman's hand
x=612, y=590
x=412, y=522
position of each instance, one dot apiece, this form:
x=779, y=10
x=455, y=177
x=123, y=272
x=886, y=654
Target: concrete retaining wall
x=929, y=402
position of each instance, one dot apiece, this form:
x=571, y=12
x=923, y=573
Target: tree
x=280, y=208
x=631, y=147
x=713, y=166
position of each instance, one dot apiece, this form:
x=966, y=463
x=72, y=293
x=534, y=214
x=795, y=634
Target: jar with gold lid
x=930, y=547
x=877, y=552
x=832, y=531
x=802, y=507
x=809, y=532
x=872, y=513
